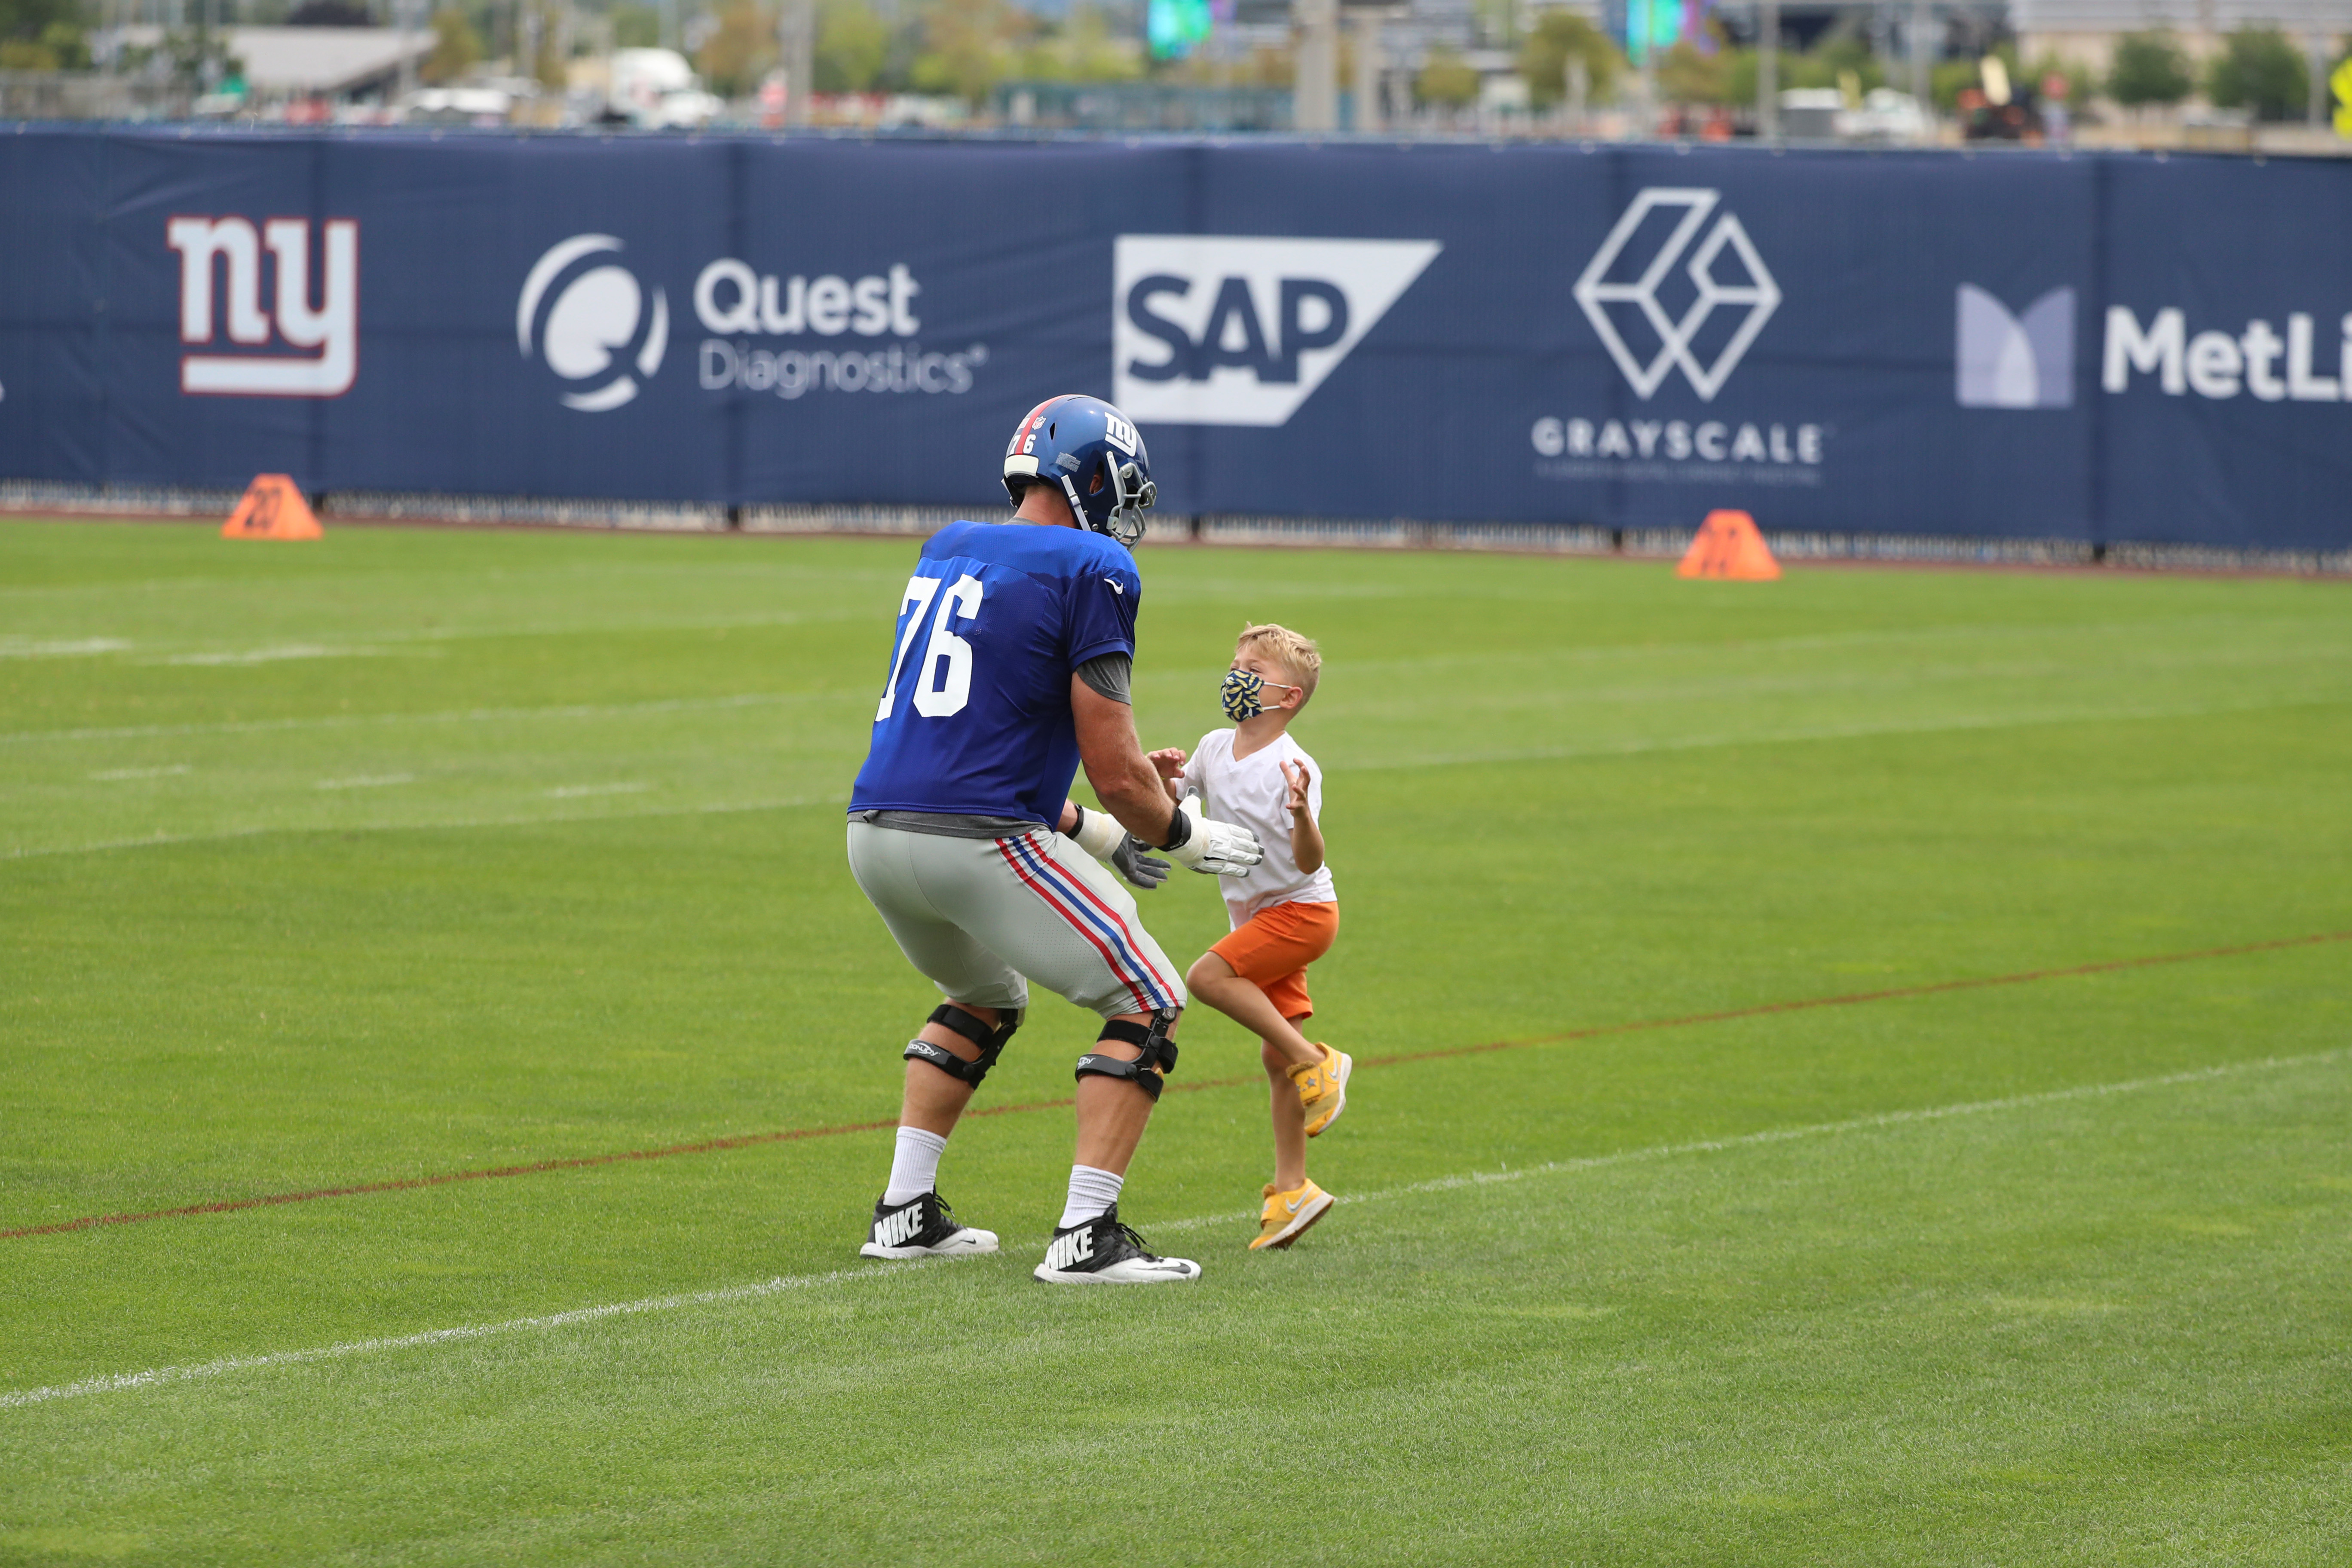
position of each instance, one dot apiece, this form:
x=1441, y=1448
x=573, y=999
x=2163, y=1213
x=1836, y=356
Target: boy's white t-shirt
x=1250, y=793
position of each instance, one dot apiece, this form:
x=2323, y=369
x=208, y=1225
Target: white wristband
x=1099, y=834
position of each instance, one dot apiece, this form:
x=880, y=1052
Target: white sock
x=1092, y=1192
x=915, y=1168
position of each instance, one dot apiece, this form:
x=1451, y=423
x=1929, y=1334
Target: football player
x=1009, y=670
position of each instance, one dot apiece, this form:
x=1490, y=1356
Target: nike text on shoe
x=923, y=1228
x=1323, y=1088
x=1287, y=1215
x=1101, y=1251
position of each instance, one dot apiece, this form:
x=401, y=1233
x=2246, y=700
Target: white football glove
x=1211, y=849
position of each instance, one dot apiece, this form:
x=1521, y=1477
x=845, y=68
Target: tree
x=636, y=27
x=852, y=45
x=1559, y=36
x=2259, y=68
x=2079, y=82
x=739, y=49
x=1447, y=81
x=1828, y=61
x=42, y=35
x=1946, y=79
x=967, y=44
x=1685, y=76
x=2149, y=68
x=457, y=47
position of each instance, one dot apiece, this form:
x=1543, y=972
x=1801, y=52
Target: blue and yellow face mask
x=1242, y=694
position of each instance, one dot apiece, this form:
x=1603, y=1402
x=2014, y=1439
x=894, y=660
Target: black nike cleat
x=923, y=1228
x=1102, y=1251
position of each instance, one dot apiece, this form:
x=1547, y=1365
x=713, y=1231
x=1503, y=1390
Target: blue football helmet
x=1095, y=453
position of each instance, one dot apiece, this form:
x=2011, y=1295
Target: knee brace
x=989, y=1041
x=1147, y=1071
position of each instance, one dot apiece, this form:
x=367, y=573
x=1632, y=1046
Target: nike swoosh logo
x=1116, y=588
x=1293, y=1204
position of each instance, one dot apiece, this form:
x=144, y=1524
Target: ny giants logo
x=327, y=332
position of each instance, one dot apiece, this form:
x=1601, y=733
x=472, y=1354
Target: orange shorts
x=1273, y=948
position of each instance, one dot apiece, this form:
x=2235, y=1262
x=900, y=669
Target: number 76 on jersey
x=943, y=679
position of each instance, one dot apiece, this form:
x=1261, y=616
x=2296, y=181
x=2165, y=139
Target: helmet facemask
x=1132, y=496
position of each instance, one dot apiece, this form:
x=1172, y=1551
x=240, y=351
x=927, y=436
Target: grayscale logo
x=1707, y=347
x=2002, y=361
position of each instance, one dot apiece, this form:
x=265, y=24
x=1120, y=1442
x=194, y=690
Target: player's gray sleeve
x=1110, y=675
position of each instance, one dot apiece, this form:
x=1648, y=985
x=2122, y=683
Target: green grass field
x=410, y=854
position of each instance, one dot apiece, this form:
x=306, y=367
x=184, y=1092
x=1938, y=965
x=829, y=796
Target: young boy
x=1285, y=915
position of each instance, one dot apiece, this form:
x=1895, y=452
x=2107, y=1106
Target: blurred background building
x=2219, y=73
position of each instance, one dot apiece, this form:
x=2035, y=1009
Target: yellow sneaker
x=1323, y=1088
x=1288, y=1215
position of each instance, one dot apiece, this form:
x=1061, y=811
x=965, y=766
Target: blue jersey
x=975, y=717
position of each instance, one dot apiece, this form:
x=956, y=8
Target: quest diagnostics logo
x=594, y=331
x=604, y=328
x=1241, y=330
x=1653, y=319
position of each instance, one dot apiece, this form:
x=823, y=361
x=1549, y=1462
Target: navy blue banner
x=2100, y=348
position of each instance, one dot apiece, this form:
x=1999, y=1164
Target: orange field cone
x=1728, y=546
x=273, y=508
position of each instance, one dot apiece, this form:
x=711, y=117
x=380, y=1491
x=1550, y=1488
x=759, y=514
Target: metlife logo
x=603, y=330
x=2254, y=362
x=1678, y=293
x=1241, y=330
x=2002, y=361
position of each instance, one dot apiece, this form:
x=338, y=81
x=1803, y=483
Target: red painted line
x=1899, y=993
x=1190, y=1086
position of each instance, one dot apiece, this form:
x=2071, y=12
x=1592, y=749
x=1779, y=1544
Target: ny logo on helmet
x=1231, y=330
x=1702, y=321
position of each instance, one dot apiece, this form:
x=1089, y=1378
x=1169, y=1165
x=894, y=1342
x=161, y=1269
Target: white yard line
x=1431, y=760
x=155, y=1376
x=1786, y=1134
x=1832, y=733
x=447, y=716
x=226, y=1364
x=536, y=820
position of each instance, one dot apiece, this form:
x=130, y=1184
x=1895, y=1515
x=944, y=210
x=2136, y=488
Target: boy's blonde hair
x=1296, y=654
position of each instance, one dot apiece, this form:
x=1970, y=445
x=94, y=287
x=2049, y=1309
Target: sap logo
x=2002, y=361
x=1620, y=291
x=894, y=1230
x=327, y=332
x=1069, y=1251
x=1224, y=329
x=2216, y=364
x=597, y=314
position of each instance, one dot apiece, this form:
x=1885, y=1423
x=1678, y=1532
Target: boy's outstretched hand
x=1295, y=775
x=1168, y=763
